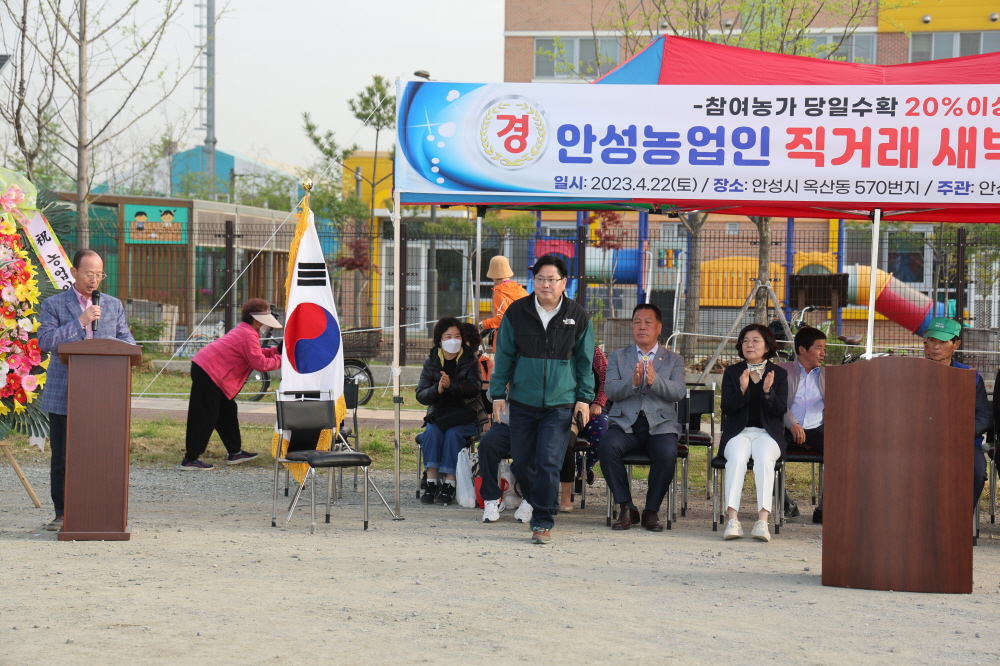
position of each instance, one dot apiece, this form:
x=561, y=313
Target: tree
x=610, y=237
x=763, y=225
x=111, y=55
x=695, y=224
x=30, y=102
x=375, y=107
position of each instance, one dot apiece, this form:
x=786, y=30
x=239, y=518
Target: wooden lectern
x=898, y=476
x=97, y=438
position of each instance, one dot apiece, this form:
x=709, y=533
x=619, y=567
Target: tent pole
x=872, y=281
x=397, y=399
x=480, y=211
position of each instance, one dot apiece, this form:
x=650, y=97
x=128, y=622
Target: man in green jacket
x=543, y=366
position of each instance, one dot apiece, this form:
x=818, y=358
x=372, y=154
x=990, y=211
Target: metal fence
x=175, y=286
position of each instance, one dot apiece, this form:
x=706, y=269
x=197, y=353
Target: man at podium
x=71, y=315
x=941, y=341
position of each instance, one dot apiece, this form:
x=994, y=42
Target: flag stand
x=20, y=474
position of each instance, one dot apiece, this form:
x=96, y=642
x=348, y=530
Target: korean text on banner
x=50, y=251
x=926, y=144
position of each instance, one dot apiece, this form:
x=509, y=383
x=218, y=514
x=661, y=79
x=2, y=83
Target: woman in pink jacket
x=218, y=372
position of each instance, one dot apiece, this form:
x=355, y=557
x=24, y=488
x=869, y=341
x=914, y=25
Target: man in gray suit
x=644, y=381
x=69, y=316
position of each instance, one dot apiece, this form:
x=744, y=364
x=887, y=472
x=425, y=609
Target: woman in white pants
x=754, y=397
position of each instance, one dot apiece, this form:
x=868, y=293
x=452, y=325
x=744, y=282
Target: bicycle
x=798, y=322
x=357, y=348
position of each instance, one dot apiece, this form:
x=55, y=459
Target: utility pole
x=205, y=82
x=210, y=140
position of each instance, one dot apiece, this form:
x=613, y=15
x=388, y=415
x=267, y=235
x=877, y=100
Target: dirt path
x=205, y=579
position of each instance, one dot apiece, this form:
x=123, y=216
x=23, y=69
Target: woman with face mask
x=450, y=386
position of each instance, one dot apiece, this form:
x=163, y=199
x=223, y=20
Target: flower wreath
x=22, y=362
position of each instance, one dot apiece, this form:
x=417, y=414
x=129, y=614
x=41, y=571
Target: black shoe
x=446, y=496
x=430, y=493
x=791, y=509
x=590, y=477
x=818, y=516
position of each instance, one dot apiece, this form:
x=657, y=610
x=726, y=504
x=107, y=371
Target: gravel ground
x=205, y=579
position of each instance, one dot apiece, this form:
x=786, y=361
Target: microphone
x=95, y=299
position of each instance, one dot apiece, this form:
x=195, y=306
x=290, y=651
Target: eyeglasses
x=543, y=282
x=91, y=276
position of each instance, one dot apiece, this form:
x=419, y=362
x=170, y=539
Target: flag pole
x=397, y=399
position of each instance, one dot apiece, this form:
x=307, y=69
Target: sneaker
x=761, y=531
x=430, y=492
x=491, y=513
x=446, y=496
x=55, y=525
x=194, y=465
x=524, y=512
x=540, y=535
x=240, y=457
x=733, y=530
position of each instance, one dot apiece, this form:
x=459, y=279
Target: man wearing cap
x=941, y=341
x=218, y=372
x=505, y=292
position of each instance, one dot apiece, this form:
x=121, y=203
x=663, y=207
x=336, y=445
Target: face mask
x=451, y=346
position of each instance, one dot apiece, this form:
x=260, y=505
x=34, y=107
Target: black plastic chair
x=306, y=413
x=640, y=458
x=698, y=402
x=797, y=455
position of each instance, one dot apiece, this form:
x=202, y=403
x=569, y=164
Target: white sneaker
x=524, y=512
x=761, y=531
x=491, y=513
x=733, y=530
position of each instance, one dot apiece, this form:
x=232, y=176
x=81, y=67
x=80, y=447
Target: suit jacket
x=60, y=322
x=793, y=368
x=658, y=401
x=736, y=406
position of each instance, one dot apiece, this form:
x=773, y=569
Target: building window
x=857, y=47
x=926, y=46
x=733, y=228
x=572, y=57
x=670, y=229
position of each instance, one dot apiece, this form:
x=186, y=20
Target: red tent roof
x=695, y=62
x=670, y=60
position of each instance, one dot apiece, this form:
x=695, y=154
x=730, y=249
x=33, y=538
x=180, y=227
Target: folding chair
x=307, y=413
x=797, y=455
x=345, y=435
x=696, y=403
x=640, y=458
x=580, y=447
x=719, y=487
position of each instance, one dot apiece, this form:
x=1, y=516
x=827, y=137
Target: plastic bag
x=510, y=496
x=465, y=491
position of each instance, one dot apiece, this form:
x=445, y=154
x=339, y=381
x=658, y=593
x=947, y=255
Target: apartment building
x=916, y=32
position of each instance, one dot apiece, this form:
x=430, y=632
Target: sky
x=275, y=60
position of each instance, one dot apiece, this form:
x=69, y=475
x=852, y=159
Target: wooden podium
x=898, y=476
x=97, y=438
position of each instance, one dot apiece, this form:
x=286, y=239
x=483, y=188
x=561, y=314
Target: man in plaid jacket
x=68, y=317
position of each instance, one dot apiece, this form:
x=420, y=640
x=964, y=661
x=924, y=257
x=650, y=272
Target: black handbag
x=455, y=417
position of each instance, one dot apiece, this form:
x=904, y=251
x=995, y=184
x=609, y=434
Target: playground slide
x=894, y=300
